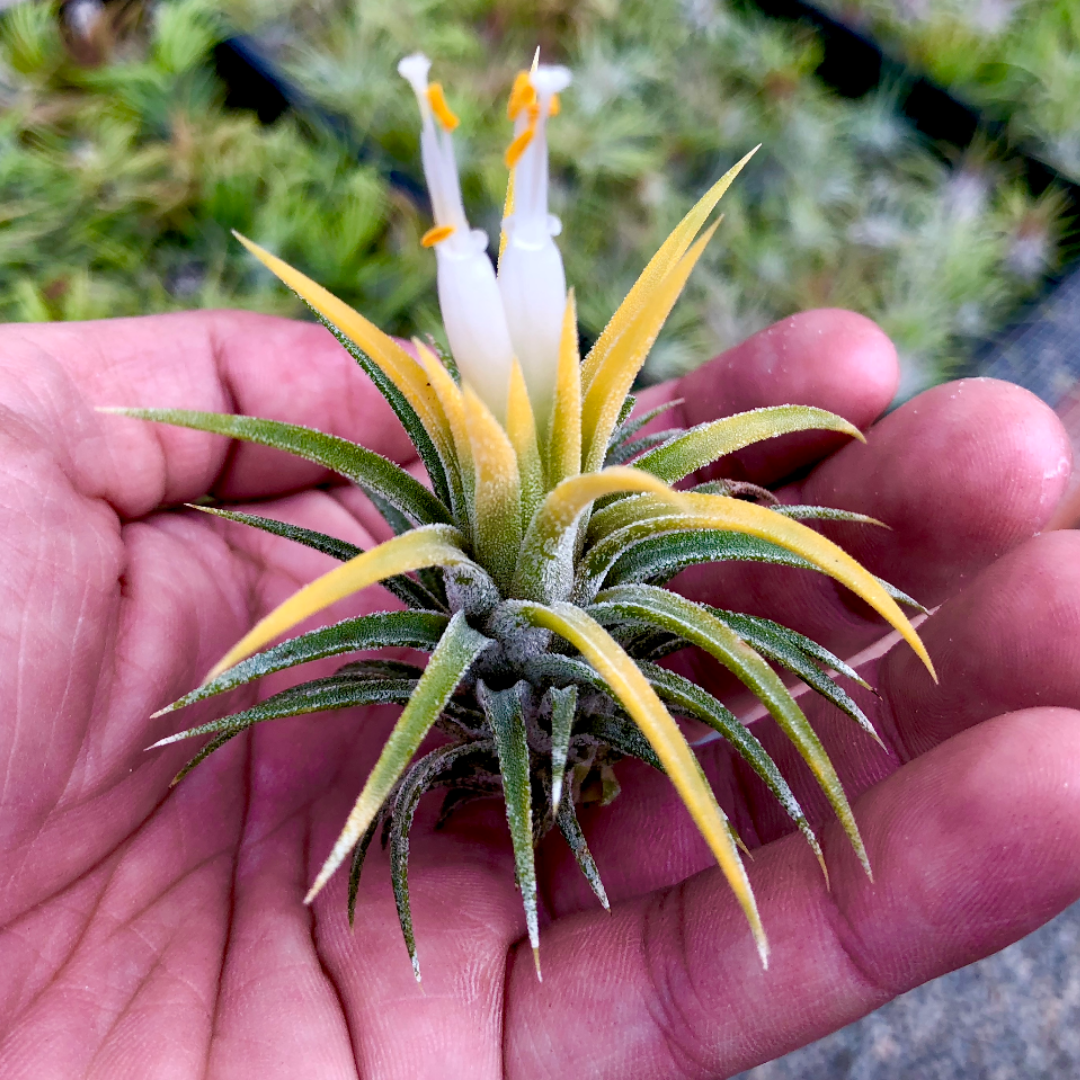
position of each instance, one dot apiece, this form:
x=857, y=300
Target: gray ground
x=1043, y=352
x=1014, y=1016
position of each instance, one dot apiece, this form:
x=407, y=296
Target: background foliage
x=1017, y=59
x=121, y=171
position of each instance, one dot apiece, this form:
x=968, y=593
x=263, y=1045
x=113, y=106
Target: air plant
x=532, y=568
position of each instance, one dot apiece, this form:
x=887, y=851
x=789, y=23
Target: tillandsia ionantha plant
x=532, y=568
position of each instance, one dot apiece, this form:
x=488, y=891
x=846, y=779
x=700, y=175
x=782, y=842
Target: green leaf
x=393, y=517
x=497, y=525
x=778, y=633
x=706, y=443
x=336, y=692
x=437, y=469
x=826, y=513
x=901, y=597
x=624, y=417
x=608, y=548
x=570, y=827
x=504, y=711
x=563, y=707
x=777, y=643
x=379, y=667
x=627, y=451
x=553, y=668
x=659, y=558
x=627, y=428
x=404, y=588
x=365, y=468
x=698, y=626
x=662, y=557
x=357, y=866
x=419, y=779
x=409, y=629
x=203, y=754
x=691, y=700
x=449, y=663
x=625, y=737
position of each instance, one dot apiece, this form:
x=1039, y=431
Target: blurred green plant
x=1019, y=60
x=120, y=181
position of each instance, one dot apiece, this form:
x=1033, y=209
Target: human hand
x=156, y=932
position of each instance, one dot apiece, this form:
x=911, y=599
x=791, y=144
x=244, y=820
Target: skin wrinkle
x=230, y=922
x=157, y=965
x=664, y=958
x=97, y=913
x=327, y=972
x=17, y=711
x=76, y=944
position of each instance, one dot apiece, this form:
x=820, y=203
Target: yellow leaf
x=395, y=362
x=543, y=570
x=497, y=496
x=564, y=445
x=607, y=392
x=666, y=257
x=432, y=545
x=521, y=428
x=639, y=699
x=450, y=401
x=708, y=442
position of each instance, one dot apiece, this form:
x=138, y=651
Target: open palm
x=156, y=932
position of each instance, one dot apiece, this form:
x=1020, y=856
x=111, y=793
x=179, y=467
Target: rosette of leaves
x=532, y=571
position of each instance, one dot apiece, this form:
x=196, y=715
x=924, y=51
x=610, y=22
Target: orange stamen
x=435, y=235
x=437, y=101
x=519, y=145
x=522, y=95
x=554, y=108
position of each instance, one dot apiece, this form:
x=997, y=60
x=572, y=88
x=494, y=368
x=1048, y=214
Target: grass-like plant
x=532, y=568
x=1019, y=61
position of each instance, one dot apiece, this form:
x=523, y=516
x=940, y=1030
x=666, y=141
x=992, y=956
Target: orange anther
x=554, y=107
x=519, y=145
x=437, y=101
x=435, y=235
x=522, y=95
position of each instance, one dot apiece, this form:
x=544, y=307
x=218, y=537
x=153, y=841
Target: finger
x=960, y=475
x=214, y=361
x=972, y=846
x=1011, y=639
x=831, y=359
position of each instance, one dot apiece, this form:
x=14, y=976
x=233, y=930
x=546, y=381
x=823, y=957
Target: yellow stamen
x=520, y=144
x=434, y=235
x=522, y=95
x=437, y=101
x=555, y=107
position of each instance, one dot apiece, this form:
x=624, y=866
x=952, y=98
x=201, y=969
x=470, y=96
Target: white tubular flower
x=468, y=293
x=531, y=278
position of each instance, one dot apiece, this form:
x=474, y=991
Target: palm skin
x=150, y=932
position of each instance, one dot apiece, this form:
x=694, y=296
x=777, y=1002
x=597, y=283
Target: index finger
x=218, y=361
x=830, y=359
